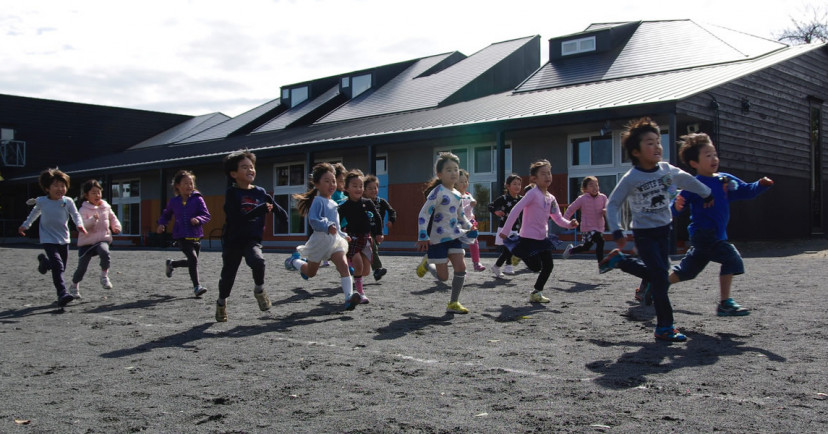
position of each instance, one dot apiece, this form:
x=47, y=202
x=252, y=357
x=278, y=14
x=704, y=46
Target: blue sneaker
x=611, y=261
x=289, y=261
x=353, y=301
x=304, y=276
x=669, y=334
x=731, y=308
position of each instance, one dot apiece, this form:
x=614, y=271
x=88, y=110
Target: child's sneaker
x=353, y=301
x=363, y=299
x=497, y=273
x=644, y=294
x=42, y=264
x=670, y=334
x=509, y=270
x=611, y=261
x=479, y=267
x=379, y=272
x=105, y=282
x=537, y=297
x=456, y=307
x=422, y=269
x=168, y=268
x=289, y=261
x=731, y=308
x=262, y=299
x=65, y=299
x=199, y=290
x=567, y=251
x=74, y=291
x=221, y=312
x=515, y=262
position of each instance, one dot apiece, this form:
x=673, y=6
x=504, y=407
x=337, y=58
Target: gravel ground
x=147, y=356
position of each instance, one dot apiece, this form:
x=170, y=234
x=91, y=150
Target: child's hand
x=269, y=207
x=82, y=229
x=380, y=238
x=503, y=235
x=422, y=246
x=22, y=231
x=160, y=229
x=573, y=223
x=680, y=202
x=765, y=182
x=332, y=230
x=116, y=231
x=389, y=224
x=194, y=221
x=499, y=213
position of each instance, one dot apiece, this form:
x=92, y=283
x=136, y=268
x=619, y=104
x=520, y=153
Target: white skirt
x=321, y=246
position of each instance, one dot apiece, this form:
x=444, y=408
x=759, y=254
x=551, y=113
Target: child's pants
x=376, y=263
x=474, y=249
x=541, y=262
x=57, y=254
x=86, y=254
x=191, y=249
x=653, y=247
x=505, y=257
x=231, y=257
x=590, y=238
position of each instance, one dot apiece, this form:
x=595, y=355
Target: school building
x=499, y=109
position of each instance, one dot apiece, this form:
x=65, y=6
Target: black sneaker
x=379, y=272
x=731, y=308
x=42, y=264
x=65, y=299
x=168, y=268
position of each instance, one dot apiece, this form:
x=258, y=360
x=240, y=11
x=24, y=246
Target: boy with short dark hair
x=708, y=225
x=245, y=207
x=648, y=187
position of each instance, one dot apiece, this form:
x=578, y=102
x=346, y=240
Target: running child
x=708, y=226
x=534, y=244
x=501, y=207
x=648, y=187
x=327, y=240
x=469, y=203
x=191, y=214
x=245, y=207
x=384, y=209
x=100, y=223
x=441, y=224
x=364, y=224
x=593, y=206
x=54, y=210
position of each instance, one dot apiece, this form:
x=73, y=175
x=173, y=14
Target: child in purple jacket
x=191, y=214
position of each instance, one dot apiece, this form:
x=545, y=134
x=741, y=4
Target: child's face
x=449, y=174
x=94, y=196
x=543, y=177
x=708, y=162
x=57, y=189
x=592, y=188
x=515, y=187
x=340, y=182
x=462, y=184
x=649, y=150
x=186, y=185
x=326, y=185
x=355, y=188
x=245, y=173
x=371, y=190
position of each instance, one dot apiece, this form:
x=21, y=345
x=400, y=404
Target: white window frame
x=289, y=190
x=118, y=202
x=577, y=46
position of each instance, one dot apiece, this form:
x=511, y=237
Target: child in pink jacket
x=593, y=206
x=100, y=223
x=534, y=245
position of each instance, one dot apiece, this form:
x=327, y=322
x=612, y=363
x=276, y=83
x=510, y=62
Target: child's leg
x=505, y=255
x=345, y=279
x=255, y=260
x=442, y=270
x=474, y=249
x=599, y=246
x=83, y=264
x=587, y=244
x=547, y=264
x=57, y=255
x=459, y=278
x=376, y=263
x=358, y=262
x=725, y=281
x=653, y=248
x=231, y=257
x=191, y=250
x=106, y=257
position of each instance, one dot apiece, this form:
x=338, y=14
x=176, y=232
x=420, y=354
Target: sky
x=196, y=57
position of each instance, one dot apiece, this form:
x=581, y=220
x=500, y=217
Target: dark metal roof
x=183, y=130
x=292, y=115
x=229, y=126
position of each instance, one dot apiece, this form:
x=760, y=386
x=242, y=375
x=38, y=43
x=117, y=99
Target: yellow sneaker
x=422, y=269
x=221, y=313
x=538, y=297
x=262, y=299
x=456, y=307
x=515, y=261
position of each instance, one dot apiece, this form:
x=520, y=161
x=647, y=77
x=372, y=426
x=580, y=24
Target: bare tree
x=814, y=29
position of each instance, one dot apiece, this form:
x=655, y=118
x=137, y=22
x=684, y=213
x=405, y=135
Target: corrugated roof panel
x=224, y=129
x=183, y=130
x=409, y=92
x=291, y=115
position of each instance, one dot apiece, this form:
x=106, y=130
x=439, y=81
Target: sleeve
x=72, y=210
x=425, y=215
x=462, y=218
x=203, y=216
x=392, y=213
x=686, y=195
x=166, y=214
x=516, y=211
x=745, y=190
x=33, y=215
x=376, y=225
x=316, y=217
x=686, y=181
x=232, y=207
x=614, y=204
x=497, y=205
x=281, y=214
x=555, y=214
x=114, y=223
x=260, y=209
x=573, y=207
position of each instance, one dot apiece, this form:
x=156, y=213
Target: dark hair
x=303, y=200
x=87, y=186
x=631, y=136
x=442, y=159
x=182, y=173
x=533, y=169
x=231, y=161
x=49, y=176
x=691, y=144
x=509, y=179
x=355, y=173
x=464, y=172
x=370, y=179
x=586, y=180
x=339, y=169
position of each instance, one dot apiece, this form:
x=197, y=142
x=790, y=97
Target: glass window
x=483, y=160
x=289, y=179
x=592, y=150
x=298, y=95
x=346, y=82
x=361, y=83
x=463, y=155
x=126, y=204
x=576, y=46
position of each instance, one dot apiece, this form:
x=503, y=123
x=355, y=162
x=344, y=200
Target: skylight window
x=576, y=46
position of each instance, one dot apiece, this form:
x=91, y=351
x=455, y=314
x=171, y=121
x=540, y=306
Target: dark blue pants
x=57, y=255
x=653, y=264
x=231, y=257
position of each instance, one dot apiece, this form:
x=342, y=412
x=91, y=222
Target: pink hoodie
x=592, y=211
x=537, y=207
x=97, y=220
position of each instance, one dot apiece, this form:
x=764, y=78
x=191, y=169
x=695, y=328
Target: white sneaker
x=497, y=273
x=73, y=291
x=509, y=269
x=566, y=251
x=105, y=282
